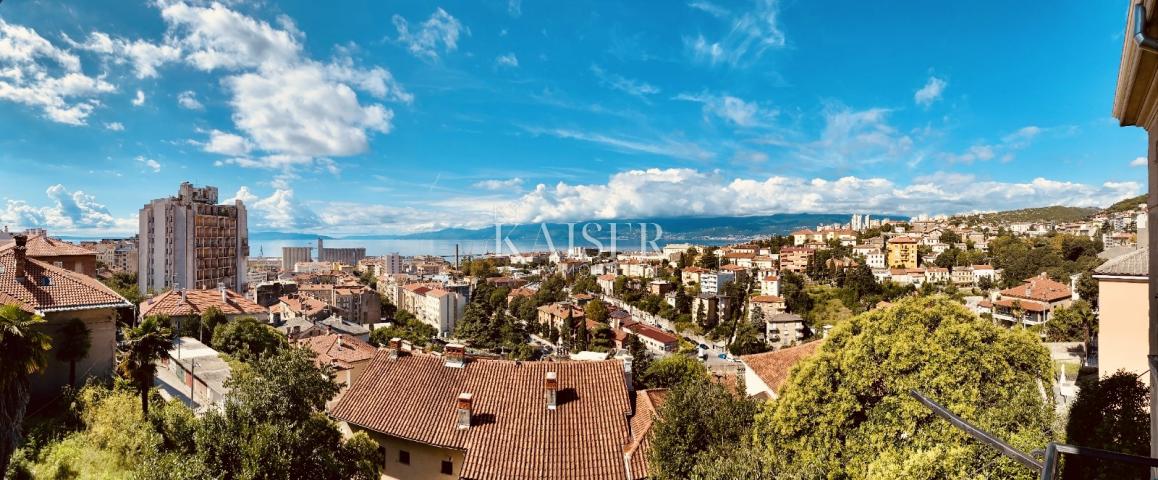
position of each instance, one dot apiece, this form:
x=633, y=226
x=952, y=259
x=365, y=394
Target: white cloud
x=499, y=184
x=216, y=37
x=139, y=99
x=1138, y=162
x=38, y=74
x=626, y=85
x=144, y=56
x=508, y=60
x=149, y=163
x=931, y=92
x=188, y=101
x=68, y=212
x=115, y=126
x=732, y=109
x=515, y=7
x=441, y=27
x=1004, y=150
x=682, y=192
x=225, y=143
x=664, y=147
x=749, y=34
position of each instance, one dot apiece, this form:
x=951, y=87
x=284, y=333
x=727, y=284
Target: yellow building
x=902, y=253
x=1123, y=313
x=450, y=416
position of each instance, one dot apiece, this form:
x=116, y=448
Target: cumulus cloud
x=423, y=42
x=623, y=84
x=683, y=192
x=139, y=99
x=1138, y=162
x=188, y=101
x=732, y=109
x=931, y=92
x=145, y=57
x=149, y=163
x=507, y=60
x=749, y=34
x=115, y=126
x=67, y=212
x=36, y=73
x=507, y=184
x=225, y=143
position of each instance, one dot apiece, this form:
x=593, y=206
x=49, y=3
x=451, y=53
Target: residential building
x=434, y=305
x=962, y=276
x=555, y=314
x=714, y=282
x=765, y=374
x=296, y=306
x=770, y=285
x=875, y=260
x=902, y=252
x=60, y=295
x=267, y=294
x=189, y=241
x=185, y=305
x=345, y=256
x=660, y=287
x=291, y=256
x=454, y=417
x=60, y=253
x=201, y=369
x=802, y=236
x=795, y=259
x=348, y=355
x=606, y=283
x=391, y=264
x=937, y=275
x=768, y=305
x=1123, y=313
x=336, y=324
x=691, y=275
x=1030, y=303
x=656, y=340
x=356, y=302
x=784, y=330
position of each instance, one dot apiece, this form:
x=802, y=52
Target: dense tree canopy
x=247, y=339
x=1110, y=414
x=847, y=410
x=700, y=420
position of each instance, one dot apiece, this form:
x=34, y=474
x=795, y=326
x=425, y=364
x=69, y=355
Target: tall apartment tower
x=189, y=241
x=392, y=263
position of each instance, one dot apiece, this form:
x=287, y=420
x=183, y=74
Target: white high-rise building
x=392, y=263
x=189, y=241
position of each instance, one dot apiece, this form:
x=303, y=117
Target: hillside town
x=434, y=358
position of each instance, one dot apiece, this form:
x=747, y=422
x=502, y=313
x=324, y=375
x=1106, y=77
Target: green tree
x=641, y=360
x=143, y=345
x=247, y=339
x=673, y=370
x=23, y=352
x=847, y=410
x=709, y=259
x=1110, y=414
x=699, y=419
x=1088, y=288
x=73, y=345
x=950, y=237
x=210, y=319
x=1075, y=323
x=596, y=310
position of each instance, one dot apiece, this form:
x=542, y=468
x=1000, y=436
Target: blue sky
x=378, y=117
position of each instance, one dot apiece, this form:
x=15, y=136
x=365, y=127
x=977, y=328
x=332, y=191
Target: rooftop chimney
x=463, y=409
x=455, y=354
x=19, y=254
x=551, y=387
x=224, y=296
x=393, y=347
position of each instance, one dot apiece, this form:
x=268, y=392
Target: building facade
x=291, y=256
x=1122, y=315
x=190, y=241
x=346, y=256
x=902, y=253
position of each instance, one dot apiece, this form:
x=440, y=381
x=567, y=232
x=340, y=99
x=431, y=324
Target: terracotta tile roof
x=344, y=354
x=805, y=231
x=1040, y=288
x=521, y=292
x=766, y=299
x=302, y=304
x=647, y=405
x=645, y=330
x=773, y=367
x=42, y=246
x=1028, y=305
x=607, y=276
x=785, y=318
x=512, y=434
x=695, y=270
x=1133, y=264
x=63, y=289
x=902, y=240
x=197, y=302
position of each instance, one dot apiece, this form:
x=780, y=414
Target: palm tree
x=73, y=345
x=23, y=352
x=144, y=344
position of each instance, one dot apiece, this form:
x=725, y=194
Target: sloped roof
x=43, y=246
x=647, y=405
x=342, y=350
x=512, y=434
x=63, y=289
x=197, y=302
x=767, y=299
x=773, y=367
x=1040, y=288
x=302, y=304
x=1132, y=264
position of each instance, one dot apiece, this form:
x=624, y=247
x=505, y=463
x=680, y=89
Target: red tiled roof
x=42, y=246
x=344, y=354
x=512, y=434
x=302, y=304
x=607, y=276
x=902, y=240
x=197, y=302
x=1041, y=288
x=647, y=405
x=66, y=290
x=651, y=332
x=767, y=299
x=773, y=367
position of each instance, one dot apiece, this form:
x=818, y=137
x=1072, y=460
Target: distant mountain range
x=682, y=228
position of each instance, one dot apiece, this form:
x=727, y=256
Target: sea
x=445, y=248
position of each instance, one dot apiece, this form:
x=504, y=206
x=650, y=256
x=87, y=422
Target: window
x=447, y=467
x=382, y=453
x=404, y=457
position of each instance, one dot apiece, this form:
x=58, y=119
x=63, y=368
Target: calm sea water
x=272, y=248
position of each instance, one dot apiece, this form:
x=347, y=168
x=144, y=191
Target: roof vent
x=551, y=387
x=463, y=409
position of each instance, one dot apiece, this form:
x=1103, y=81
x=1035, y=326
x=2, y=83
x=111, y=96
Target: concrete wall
x=100, y=361
x=1123, y=323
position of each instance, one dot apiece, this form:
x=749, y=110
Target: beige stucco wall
x=1123, y=323
x=101, y=355
x=425, y=460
